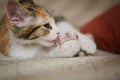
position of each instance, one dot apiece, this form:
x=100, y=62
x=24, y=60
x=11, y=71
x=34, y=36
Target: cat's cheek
x=49, y=39
x=51, y=36
x=45, y=43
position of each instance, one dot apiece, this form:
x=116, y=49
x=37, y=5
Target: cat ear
x=14, y=13
x=24, y=1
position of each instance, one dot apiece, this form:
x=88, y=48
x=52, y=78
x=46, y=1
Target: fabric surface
x=106, y=29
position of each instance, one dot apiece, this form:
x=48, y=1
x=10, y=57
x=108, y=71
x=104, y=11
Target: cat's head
x=31, y=22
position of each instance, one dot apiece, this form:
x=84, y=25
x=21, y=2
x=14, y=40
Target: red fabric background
x=106, y=29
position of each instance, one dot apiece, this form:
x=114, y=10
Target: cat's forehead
x=36, y=10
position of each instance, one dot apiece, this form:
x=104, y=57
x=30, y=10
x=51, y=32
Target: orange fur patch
x=38, y=32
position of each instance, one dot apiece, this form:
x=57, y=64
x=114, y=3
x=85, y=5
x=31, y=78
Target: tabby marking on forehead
x=36, y=10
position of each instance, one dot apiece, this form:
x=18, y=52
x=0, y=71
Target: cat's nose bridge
x=58, y=37
x=58, y=34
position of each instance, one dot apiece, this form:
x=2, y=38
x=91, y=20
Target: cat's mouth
x=50, y=41
x=57, y=41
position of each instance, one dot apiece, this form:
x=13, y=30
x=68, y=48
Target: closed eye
x=48, y=26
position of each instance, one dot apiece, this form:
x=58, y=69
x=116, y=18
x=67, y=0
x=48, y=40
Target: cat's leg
x=75, y=42
x=87, y=45
x=67, y=48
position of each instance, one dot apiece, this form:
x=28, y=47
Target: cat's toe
x=71, y=36
x=68, y=36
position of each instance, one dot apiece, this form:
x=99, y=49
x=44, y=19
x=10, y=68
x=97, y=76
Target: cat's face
x=31, y=23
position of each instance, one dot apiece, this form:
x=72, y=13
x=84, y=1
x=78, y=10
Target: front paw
x=69, y=48
x=66, y=37
x=88, y=46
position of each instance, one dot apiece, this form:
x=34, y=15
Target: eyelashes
x=31, y=8
x=48, y=26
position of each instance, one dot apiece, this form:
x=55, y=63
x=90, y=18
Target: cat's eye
x=30, y=9
x=48, y=26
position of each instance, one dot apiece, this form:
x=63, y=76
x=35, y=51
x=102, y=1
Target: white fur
x=68, y=49
x=51, y=36
x=85, y=43
x=25, y=22
x=88, y=45
x=19, y=51
x=31, y=21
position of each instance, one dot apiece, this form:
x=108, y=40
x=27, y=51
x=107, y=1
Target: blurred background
x=77, y=12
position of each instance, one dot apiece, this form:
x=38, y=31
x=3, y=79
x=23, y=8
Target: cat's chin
x=47, y=43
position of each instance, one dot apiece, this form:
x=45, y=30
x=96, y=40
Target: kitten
x=28, y=30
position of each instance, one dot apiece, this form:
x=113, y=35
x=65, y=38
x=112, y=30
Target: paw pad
x=68, y=36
